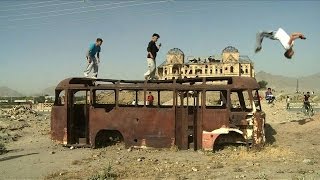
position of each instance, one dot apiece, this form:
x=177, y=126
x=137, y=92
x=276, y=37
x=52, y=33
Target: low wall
x=42, y=107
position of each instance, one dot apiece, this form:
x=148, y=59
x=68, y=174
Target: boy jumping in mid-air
x=286, y=40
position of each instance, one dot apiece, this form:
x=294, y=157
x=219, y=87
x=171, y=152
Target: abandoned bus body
x=199, y=113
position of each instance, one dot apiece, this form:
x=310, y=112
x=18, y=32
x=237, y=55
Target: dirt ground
x=292, y=152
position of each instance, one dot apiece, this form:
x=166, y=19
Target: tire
x=304, y=110
x=311, y=111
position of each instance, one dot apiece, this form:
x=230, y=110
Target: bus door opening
x=78, y=117
x=187, y=110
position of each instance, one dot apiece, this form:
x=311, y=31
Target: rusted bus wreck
x=199, y=113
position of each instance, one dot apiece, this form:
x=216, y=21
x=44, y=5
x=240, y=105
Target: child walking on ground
x=288, y=102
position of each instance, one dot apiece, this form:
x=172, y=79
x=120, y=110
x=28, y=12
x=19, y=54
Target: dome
x=230, y=49
x=175, y=51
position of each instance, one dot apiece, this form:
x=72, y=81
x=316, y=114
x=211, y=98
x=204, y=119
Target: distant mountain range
x=5, y=91
x=278, y=82
x=48, y=91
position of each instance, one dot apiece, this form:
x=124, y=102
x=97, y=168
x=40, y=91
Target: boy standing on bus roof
x=93, y=62
x=151, y=57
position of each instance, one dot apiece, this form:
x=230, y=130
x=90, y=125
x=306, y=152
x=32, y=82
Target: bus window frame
x=257, y=99
x=136, y=91
x=242, y=101
x=58, y=100
x=87, y=91
x=93, y=96
x=225, y=100
x=158, y=98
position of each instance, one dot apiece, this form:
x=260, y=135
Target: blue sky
x=43, y=42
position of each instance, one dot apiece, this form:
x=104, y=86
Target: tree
x=40, y=99
x=263, y=84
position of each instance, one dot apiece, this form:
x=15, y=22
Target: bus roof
x=234, y=82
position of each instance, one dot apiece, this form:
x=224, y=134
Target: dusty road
x=292, y=153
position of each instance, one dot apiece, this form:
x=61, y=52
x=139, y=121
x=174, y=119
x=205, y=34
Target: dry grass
x=105, y=174
x=268, y=152
x=56, y=175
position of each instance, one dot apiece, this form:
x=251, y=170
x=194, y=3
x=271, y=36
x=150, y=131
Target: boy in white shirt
x=288, y=102
x=286, y=40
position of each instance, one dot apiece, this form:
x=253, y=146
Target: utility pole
x=297, y=90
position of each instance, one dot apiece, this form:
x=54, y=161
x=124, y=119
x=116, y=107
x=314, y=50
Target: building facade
x=229, y=63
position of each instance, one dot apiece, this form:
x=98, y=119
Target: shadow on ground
x=303, y=121
x=270, y=132
x=16, y=156
x=300, y=121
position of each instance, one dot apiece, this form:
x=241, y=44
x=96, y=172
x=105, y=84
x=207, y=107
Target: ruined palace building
x=229, y=63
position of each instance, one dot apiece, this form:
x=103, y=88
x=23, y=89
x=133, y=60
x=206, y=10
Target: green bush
x=263, y=84
x=106, y=174
x=2, y=149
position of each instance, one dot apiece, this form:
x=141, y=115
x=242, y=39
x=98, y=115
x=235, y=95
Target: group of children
x=306, y=102
x=93, y=56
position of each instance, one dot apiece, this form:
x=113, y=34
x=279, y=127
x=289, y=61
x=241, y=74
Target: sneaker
x=257, y=49
x=94, y=77
x=85, y=74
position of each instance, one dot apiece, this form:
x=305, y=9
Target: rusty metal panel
x=215, y=119
x=182, y=127
x=59, y=124
x=208, y=140
x=238, y=118
x=178, y=126
x=143, y=126
x=233, y=83
x=198, y=126
x=258, y=130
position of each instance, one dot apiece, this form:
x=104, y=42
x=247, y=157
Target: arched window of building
x=246, y=70
x=231, y=69
x=198, y=71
